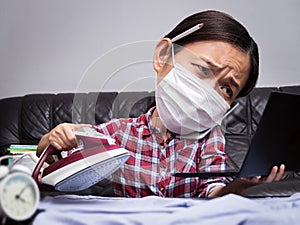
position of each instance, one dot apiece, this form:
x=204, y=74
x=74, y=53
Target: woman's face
x=223, y=66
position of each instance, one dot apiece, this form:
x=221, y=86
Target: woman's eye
x=228, y=92
x=205, y=72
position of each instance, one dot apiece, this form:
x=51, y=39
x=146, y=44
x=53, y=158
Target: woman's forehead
x=218, y=53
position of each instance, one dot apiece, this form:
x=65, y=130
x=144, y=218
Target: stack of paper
x=21, y=149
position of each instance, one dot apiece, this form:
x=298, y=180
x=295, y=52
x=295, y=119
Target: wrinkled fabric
x=231, y=209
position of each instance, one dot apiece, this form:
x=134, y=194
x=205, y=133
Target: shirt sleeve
x=212, y=159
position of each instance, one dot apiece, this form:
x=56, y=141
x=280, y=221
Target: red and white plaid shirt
x=153, y=160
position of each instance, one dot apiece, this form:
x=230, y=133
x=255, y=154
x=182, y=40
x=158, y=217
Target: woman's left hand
x=238, y=185
x=275, y=175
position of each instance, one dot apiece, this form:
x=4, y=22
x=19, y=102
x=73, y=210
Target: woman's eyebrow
x=211, y=64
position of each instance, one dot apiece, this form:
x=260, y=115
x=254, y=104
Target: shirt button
x=162, y=147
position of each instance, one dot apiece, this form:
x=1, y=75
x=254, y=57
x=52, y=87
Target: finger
x=280, y=172
x=59, y=139
x=272, y=174
x=55, y=141
x=56, y=145
x=70, y=138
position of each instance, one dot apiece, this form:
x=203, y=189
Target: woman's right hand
x=62, y=137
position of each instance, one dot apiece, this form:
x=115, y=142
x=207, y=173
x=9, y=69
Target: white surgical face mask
x=187, y=104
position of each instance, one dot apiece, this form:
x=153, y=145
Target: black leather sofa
x=26, y=119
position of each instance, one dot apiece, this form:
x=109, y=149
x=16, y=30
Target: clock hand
x=18, y=196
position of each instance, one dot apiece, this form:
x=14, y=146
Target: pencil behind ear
x=162, y=54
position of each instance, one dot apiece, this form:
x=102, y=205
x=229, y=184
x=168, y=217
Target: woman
x=205, y=63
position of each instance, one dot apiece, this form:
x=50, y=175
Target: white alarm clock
x=19, y=193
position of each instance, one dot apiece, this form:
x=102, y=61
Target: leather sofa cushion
x=9, y=122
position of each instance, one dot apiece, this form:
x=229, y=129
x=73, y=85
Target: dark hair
x=221, y=26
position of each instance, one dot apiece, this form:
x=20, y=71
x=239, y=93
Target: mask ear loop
x=182, y=35
x=173, y=54
x=223, y=124
x=230, y=110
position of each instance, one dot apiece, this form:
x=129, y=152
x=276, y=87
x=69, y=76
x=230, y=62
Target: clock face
x=19, y=196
